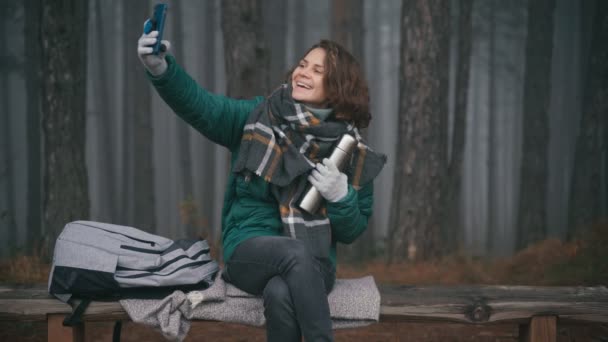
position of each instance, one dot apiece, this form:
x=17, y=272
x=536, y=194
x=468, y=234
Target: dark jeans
x=293, y=283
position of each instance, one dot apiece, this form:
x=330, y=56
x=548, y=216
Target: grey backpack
x=101, y=261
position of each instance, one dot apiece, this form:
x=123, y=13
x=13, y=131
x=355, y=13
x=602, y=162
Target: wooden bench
x=535, y=311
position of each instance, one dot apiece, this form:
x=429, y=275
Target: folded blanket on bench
x=352, y=303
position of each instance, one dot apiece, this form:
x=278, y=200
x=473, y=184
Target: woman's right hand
x=156, y=64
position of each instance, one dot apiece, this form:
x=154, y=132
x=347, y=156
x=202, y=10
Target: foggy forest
x=492, y=115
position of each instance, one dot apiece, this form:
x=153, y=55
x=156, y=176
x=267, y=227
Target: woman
x=278, y=145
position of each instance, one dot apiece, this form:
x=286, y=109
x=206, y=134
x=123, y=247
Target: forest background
x=493, y=116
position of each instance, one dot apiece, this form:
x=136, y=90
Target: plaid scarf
x=282, y=142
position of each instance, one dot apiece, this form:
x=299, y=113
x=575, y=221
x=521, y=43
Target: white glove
x=329, y=181
x=156, y=64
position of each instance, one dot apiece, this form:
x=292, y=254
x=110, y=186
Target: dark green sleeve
x=219, y=118
x=349, y=216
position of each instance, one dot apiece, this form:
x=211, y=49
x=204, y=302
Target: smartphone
x=157, y=23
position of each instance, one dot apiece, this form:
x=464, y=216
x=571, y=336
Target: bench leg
x=540, y=329
x=58, y=333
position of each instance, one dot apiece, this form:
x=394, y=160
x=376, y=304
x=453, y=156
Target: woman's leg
x=281, y=321
x=308, y=280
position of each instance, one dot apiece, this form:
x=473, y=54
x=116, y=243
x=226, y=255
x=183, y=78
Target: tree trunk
x=106, y=123
x=204, y=224
x=420, y=169
x=33, y=13
x=537, y=91
x=301, y=20
x=137, y=107
x=275, y=31
x=127, y=187
x=492, y=197
x=592, y=143
x=347, y=26
x=347, y=30
x=452, y=223
x=7, y=210
x=182, y=134
x=246, y=54
x=64, y=46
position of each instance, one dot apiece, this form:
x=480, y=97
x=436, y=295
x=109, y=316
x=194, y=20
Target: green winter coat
x=249, y=208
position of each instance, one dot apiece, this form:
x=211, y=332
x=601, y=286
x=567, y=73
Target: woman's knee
x=276, y=294
x=296, y=251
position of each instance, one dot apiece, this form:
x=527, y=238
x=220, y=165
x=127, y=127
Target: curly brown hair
x=344, y=83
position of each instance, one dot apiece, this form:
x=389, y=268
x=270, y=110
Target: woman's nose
x=305, y=72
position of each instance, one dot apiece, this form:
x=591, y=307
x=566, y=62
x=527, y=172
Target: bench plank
x=479, y=304
x=37, y=309
x=469, y=304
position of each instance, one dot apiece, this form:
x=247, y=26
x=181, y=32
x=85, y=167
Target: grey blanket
x=352, y=303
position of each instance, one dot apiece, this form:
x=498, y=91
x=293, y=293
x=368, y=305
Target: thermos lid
x=347, y=143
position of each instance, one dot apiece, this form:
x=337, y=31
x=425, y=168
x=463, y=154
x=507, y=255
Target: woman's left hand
x=329, y=181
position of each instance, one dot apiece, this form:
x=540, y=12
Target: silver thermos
x=340, y=156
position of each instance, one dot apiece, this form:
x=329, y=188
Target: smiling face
x=308, y=78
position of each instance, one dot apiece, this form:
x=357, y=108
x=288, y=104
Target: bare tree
x=537, y=91
x=420, y=170
x=8, y=65
x=347, y=25
x=7, y=212
x=301, y=19
x=451, y=223
x=592, y=141
x=33, y=58
x=64, y=46
x=106, y=122
x=275, y=32
x=247, y=56
x=208, y=149
x=182, y=129
x=138, y=123
x=492, y=156
x=7, y=179
x=347, y=29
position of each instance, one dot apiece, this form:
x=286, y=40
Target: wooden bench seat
x=537, y=311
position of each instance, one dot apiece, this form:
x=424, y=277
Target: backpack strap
x=75, y=317
x=116, y=332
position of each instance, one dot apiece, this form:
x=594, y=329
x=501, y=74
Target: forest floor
x=551, y=262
